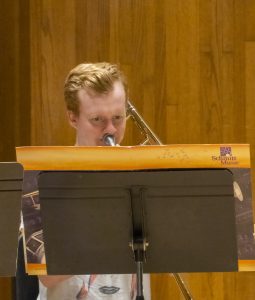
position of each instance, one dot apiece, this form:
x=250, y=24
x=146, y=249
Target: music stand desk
x=90, y=219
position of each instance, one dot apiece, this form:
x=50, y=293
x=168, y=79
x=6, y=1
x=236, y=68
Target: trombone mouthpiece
x=109, y=140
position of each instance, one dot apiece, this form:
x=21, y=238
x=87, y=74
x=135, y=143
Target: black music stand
x=11, y=175
x=117, y=222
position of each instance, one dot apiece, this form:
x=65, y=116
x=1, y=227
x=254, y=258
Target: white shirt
x=96, y=287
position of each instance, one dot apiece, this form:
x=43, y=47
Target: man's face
x=100, y=114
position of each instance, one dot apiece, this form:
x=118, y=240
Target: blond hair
x=96, y=77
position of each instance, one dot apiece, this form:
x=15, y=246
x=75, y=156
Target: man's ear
x=72, y=118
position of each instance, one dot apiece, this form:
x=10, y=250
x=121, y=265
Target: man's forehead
x=116, y=93
x=117, y=87
x=113, y=101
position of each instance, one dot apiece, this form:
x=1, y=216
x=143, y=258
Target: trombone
x=152, y=139
x=150, y=136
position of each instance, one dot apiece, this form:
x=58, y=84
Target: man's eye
x=117, y=118
x=96, y=119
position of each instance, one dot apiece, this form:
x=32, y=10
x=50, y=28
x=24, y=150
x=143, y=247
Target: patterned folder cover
x=235, y=157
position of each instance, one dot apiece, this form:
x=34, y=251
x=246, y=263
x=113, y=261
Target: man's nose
x=110, y=128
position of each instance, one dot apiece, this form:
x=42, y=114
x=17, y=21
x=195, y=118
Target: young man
x=96, y=98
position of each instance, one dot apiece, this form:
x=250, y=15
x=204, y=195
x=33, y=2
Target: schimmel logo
x=226, y=157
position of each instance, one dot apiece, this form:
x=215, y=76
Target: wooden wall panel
x=239, y=72
x=190, y=67
x=14, y=90
x=14, y=78
x=163, y=286
x=8, y=84
x=182, y=71
x=249, y=7
x=52, y=56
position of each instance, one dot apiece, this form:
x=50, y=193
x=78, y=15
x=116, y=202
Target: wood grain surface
x=190, y=65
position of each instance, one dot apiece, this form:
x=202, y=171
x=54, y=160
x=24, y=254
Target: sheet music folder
x=11, y=175
x=188, y=219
